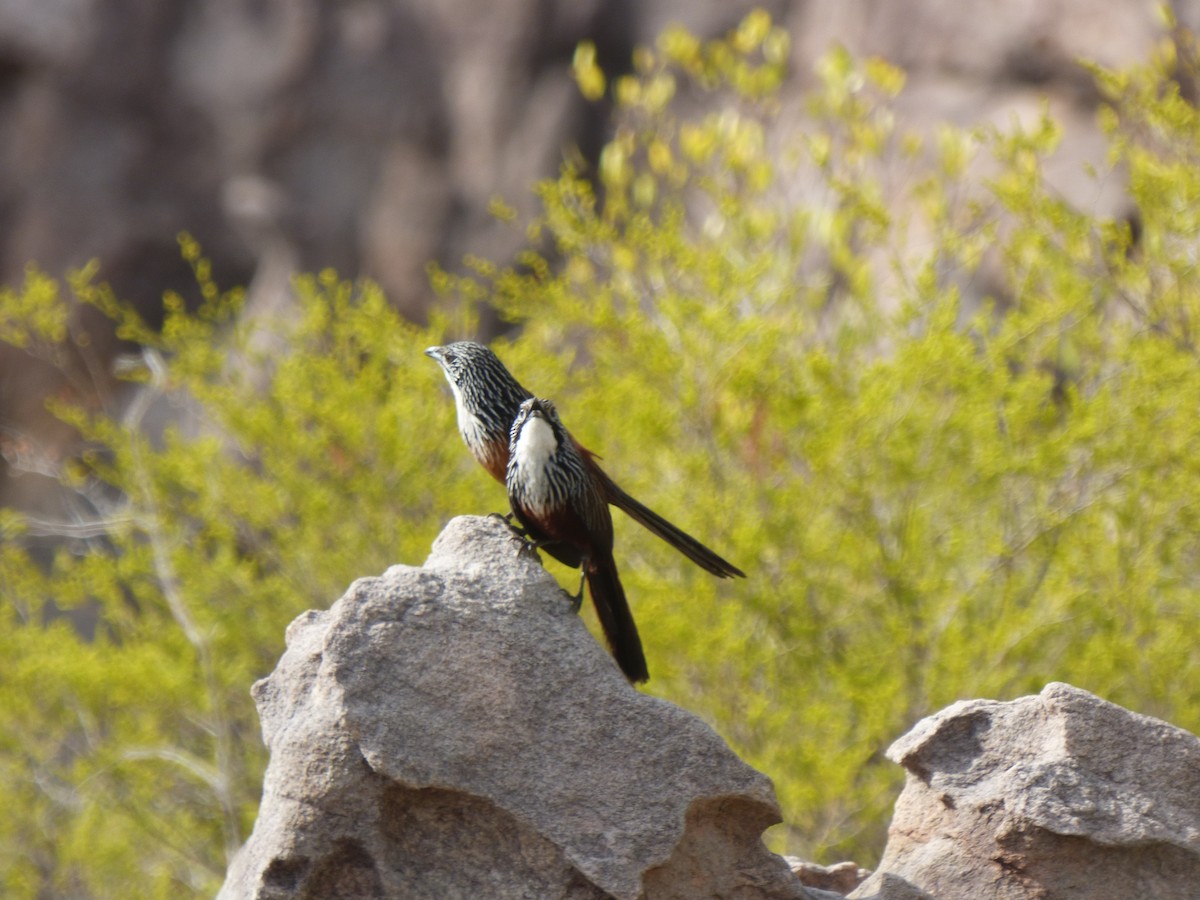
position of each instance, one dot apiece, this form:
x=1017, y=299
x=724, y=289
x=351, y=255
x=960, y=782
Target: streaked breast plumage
x=543, y=465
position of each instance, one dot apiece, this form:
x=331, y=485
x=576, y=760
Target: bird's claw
x=524, y=545
x=507, y=519
x=519, y=533
x=576, y=601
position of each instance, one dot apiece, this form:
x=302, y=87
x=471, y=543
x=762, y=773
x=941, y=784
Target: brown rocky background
x=369, y=135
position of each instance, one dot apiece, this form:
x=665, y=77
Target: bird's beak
x=434, y=353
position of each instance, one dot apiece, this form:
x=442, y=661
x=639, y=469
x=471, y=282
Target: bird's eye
x=449, y=356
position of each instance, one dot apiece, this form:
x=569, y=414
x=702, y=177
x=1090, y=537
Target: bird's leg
x=507, y=519
x=577, y=599
x=533, y=545
x=517, y=530
x=521, y=535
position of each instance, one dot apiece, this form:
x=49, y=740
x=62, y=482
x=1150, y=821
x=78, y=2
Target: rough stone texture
x=455, y=731
x=840, y=878
x=1060, y=795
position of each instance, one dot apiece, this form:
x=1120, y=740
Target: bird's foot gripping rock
x=507, y=519
x=519, y=534
x=576, y=599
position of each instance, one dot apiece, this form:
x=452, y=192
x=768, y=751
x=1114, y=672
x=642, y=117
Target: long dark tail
x=673, y=535
x=615, y=618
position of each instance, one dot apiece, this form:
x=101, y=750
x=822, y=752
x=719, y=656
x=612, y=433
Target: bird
x=488, y=398
x=558, y=501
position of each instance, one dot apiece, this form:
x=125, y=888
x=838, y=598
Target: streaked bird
x=556, y=496
x=488, y=399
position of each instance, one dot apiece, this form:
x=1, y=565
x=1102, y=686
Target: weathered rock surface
x=455, y=731
x=1060, y=795
x=840, y=878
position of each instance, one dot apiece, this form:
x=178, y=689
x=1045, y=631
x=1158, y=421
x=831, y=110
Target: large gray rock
x=455, y=731
x=1062, y=795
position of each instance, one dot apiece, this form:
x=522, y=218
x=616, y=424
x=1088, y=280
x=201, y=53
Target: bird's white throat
x=474, y=432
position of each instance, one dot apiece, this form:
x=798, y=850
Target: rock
x=455, y=731
x=1061, y=795
x=840, y=878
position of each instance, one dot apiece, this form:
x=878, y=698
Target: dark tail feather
x=615, y=618
x=680, y=540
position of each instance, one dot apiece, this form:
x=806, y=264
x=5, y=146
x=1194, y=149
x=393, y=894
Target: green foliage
x=770, y=340
x=137, y=753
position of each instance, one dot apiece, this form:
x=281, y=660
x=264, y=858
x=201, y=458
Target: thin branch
x=75, y=530
x=177, y=603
